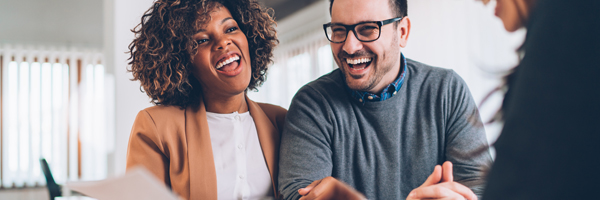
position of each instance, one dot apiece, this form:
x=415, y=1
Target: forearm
x=305, y=152
x=466, y=141
x=301, y=163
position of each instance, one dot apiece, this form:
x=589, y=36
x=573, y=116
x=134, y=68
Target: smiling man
x=381, y=126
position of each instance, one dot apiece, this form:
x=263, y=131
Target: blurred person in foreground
x=549, y=146
x=381, y=126
x=204, y=138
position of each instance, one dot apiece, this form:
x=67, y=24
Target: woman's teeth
x=358, y=61
x=228, y=61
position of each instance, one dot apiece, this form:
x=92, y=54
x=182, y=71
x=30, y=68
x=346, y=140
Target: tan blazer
x=174, y=144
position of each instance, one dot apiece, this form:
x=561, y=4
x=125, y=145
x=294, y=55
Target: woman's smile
x=230, y=64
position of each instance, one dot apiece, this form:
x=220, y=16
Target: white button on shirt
x=241, y=169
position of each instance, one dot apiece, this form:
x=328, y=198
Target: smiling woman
x=165, y=38
x=204, y=138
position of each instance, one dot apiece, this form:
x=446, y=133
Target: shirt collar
x=387, y=92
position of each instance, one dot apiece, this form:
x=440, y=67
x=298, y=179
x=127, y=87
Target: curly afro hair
x=161, y=53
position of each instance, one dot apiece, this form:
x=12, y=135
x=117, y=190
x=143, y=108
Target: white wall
x=52, y=22
x=465, y=36
x=121, y=17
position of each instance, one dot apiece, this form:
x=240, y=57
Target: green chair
x=53, y=188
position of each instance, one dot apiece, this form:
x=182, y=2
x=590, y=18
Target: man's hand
x=329, y=188
x=440, y=185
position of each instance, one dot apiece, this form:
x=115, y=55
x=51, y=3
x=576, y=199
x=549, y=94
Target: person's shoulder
x=423, y=74
x=164, y=123
x=271, y=109
x=327, y=84
x=275, y=113
x=420, y=70
x=161, y=115
x=162, y=111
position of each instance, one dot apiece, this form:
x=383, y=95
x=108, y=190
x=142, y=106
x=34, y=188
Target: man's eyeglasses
x=364, y=31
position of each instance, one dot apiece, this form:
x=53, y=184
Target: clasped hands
x=439, y=185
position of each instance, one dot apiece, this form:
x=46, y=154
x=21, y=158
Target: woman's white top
x=241, y=168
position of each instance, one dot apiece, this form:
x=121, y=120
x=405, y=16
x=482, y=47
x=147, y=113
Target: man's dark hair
x=399, y=7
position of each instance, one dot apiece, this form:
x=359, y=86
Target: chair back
x=53, y=188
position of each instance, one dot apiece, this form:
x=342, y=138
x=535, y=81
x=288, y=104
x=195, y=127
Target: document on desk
x=137, y=183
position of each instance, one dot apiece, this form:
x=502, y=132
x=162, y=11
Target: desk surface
x=74, y=198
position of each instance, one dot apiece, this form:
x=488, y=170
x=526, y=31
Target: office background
x=67, y=97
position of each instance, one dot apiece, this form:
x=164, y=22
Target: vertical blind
x=54, y=106
x=293, y=68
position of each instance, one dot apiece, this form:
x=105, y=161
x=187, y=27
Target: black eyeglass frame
x=352, y=27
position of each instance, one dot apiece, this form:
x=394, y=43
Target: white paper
x=137, y=183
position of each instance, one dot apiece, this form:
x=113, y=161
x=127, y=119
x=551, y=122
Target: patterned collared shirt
x=388, y=92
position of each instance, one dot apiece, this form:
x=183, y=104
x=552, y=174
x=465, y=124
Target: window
x=292, y=69
x=53, y=106
x=325, y=60
x=299, y=72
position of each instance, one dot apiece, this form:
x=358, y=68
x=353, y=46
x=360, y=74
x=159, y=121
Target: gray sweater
x=383, y=149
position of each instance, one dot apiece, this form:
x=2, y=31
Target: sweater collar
x=388, y=92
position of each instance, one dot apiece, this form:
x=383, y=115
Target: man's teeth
x=357, y=61
x=226, y=62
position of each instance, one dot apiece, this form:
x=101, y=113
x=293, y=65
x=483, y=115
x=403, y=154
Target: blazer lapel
x=268, y=137
x=203, y=177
